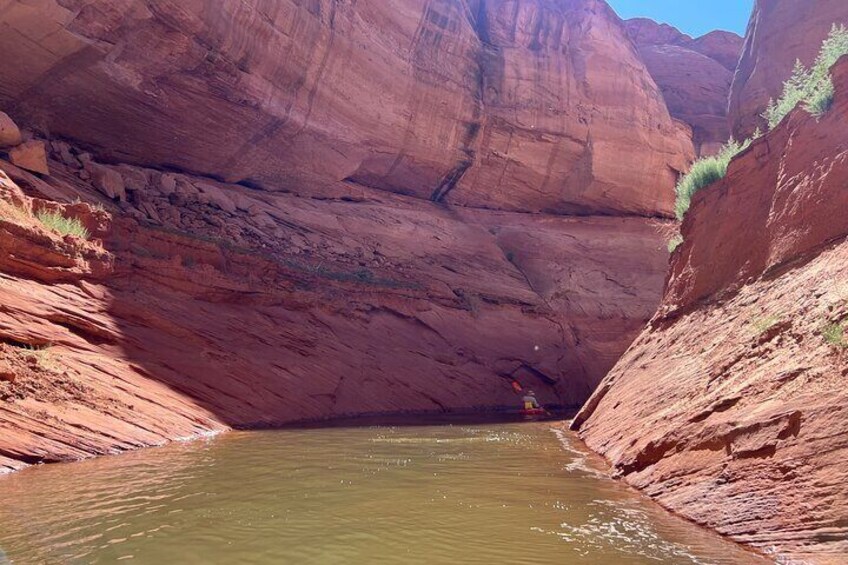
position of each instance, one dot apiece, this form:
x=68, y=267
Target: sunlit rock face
x=780, y=32
x=730, y=407
x=528, y=105
x=693, y=74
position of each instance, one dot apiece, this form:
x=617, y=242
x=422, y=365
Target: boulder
x=63, y=151
x=107, y=180
x=135, y=178
x=7, y=374
x=10, y=135
x=31, y=155
x=216, y=196
x=167, y=184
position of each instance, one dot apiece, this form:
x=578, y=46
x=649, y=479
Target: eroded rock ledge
x=199, y=305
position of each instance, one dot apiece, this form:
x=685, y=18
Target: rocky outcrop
x=526, y=106
x=737, y=387
x=780, y=32
x=693, y=74
x=722, y=46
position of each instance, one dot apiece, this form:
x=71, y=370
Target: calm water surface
x=461, y=494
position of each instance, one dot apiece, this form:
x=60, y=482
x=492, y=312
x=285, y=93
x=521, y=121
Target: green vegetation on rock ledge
x=674, y=243
x=62, y=225
x=704, y=172
x=834, y=334
x=813, y=87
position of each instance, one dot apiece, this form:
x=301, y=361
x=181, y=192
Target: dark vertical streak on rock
x=479, y=23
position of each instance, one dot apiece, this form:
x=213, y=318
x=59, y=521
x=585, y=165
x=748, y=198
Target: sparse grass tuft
x=43, y=355
x=704, y=172
x=62, y=225
x=834, y=334
x=811, y=87
x=762, y=325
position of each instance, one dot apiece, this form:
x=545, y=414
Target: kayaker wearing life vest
x=530, y=402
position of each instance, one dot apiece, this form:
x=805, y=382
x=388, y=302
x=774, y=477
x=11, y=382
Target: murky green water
x=460, y=494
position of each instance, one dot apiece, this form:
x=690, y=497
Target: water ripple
x=483, y=494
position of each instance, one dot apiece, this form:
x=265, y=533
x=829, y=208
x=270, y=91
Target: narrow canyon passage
x=223, y=217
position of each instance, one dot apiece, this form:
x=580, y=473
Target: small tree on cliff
x=811, y=87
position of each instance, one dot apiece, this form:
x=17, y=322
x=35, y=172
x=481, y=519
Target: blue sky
x=694, y=18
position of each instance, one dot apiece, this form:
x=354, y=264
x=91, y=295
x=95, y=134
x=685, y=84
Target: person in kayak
x=530, y=402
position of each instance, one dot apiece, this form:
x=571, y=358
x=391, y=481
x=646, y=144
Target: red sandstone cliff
x=737, y=386
x=780, y=32
x=693, y=74
x=531, y=105
x=302, y=210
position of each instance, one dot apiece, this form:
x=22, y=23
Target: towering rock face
x=320, y=208
x=561, y=91
x=780, y=33
x=737, y=387
x=693, y=74
x=529, y=105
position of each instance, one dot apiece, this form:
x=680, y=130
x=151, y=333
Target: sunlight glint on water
x=493, y=493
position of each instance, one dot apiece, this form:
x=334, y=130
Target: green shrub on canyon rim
x=704, y=172
x=813, y=87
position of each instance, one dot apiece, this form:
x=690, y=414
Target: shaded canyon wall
x=308, y=209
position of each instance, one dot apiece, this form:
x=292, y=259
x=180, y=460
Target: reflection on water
x=487, y=494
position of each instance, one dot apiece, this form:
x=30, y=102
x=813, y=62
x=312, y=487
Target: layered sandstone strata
x=530, y=105
x=318, y=209
x=731, y=407
x=205, y=305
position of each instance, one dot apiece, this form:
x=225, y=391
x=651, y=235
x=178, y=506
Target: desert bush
x=674, y=243
x=811, y=87
x=704, y=172
x=62, y=225
x=834, y=334
x=762, y=325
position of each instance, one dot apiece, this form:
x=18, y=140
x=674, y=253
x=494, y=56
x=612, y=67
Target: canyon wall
x=737, y=386
x=694, y=76
x=529, y=105
x=780, y=32
x=307, y=209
